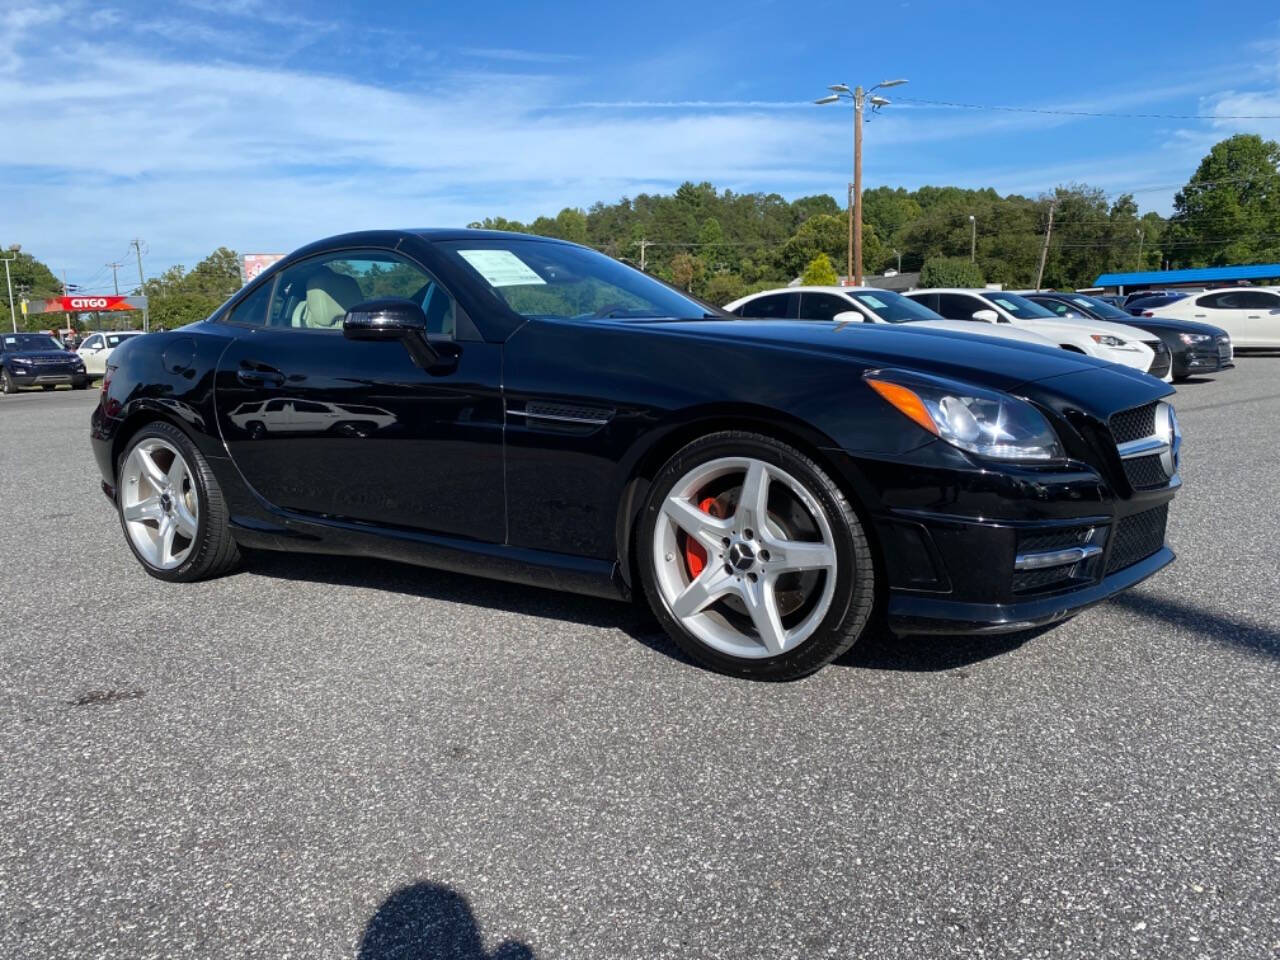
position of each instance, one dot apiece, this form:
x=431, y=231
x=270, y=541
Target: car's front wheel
x=171, y=509
x=6, y=382
x=753, y=559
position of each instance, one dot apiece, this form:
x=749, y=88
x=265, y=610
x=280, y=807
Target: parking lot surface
x=320, y=757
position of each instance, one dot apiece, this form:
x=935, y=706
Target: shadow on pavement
x=1258, y=639
x=878, y=650
x=881, y=650
x=429, y=921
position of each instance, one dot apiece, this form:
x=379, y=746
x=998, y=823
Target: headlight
x=1109, y=341
x=1193, y=338
x=20, y=364
x=985, y=422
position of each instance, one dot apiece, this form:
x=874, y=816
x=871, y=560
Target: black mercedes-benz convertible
x=531, y=410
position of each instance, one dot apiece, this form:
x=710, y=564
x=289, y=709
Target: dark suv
x=38, y=360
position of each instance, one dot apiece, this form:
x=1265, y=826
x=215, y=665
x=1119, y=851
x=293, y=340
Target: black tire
x=216, y=551
x=46, y=387
x=855, y=590
x=6, y=383
x=81, y=385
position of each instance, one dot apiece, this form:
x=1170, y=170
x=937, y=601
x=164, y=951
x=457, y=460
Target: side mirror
x=986, y=316
x=389, y=318
x=392, y=318
x=849, y=316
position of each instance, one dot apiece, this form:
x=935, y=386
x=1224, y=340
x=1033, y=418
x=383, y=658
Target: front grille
x=1224, y=348
x=1025, y=581
x=1161, y=362
x=1145, y=472
x=1134, y=424
x=1137, y=537
x=1055, y=540
x=49, y=362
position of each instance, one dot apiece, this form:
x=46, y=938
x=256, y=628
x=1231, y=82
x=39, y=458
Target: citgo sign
x=85, y=304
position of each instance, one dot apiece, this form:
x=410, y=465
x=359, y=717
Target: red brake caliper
x=695, y=557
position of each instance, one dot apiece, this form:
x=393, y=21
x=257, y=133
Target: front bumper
x=43, y=378
x=919, y=614
x=1000, y=550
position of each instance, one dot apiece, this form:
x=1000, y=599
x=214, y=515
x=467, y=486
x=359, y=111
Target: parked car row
x=535, y=411
x=41, y=360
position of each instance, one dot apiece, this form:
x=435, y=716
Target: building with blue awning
x=1254, y=273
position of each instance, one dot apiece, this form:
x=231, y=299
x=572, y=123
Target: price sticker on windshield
x=501, y=268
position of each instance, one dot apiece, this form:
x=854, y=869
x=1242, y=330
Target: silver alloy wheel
x=159, y=504
x=746, y=555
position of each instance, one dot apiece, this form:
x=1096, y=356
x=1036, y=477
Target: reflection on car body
x=294, y=415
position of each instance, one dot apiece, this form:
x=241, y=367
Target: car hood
x=1085, y=326
x=988, y=361
x=1172, y=325
x=1001, y=331
x=66, y=355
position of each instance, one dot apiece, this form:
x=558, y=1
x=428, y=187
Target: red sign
x=86, y=304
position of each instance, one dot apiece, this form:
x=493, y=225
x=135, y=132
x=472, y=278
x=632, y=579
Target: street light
x=859, y=98
x=14, y=248
x=973, y=239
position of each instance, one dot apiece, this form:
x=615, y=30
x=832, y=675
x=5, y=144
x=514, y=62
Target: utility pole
x=146, y=319
x=1139, y=266
x=1044, y=250
x=898, y=254
x=858, y=99
x=644, y=246
x=114, y=278
x=13, y=255
x=973, y=239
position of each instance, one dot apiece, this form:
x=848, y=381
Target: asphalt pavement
x=319, y=757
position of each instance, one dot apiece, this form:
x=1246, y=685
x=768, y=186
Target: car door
x=959, y=306
x=824, y=306
x=425, y=455
x=774, y=306
x=93, y=353
x=1261, y=317
x=1222, y=308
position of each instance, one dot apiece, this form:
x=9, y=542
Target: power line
x=1087, y=113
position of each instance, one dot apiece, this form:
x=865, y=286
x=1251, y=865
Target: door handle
x=259, y=375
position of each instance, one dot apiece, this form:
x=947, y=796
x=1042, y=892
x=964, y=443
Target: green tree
x=820, y=272
x=176, y=297
x=1229, y=211
x=721, y=288
x=950, y=272
x=33, y=280
x=686, y=270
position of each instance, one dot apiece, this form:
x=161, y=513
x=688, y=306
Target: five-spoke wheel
x=171, y=509
x=754, y=559
x=159, y=504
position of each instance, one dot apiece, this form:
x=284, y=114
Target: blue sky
x=263, y=125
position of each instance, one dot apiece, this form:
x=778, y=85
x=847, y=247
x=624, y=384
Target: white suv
x=1250, y=314
x=864, y=304
x=1113, y=342
x=98, y=346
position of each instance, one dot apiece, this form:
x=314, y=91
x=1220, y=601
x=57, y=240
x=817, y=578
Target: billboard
x=254, y=263
x=85, y=304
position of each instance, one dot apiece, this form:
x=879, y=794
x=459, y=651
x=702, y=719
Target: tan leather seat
x=329, y=296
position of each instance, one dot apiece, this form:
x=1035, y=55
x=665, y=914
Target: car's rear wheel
x=171, y=509
x=753, y=559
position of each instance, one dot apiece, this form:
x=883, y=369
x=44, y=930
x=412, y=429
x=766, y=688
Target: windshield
x=1100, y=308
x=1018, y=307
x=894, y=307
x=562, y=282
x=29, y=342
